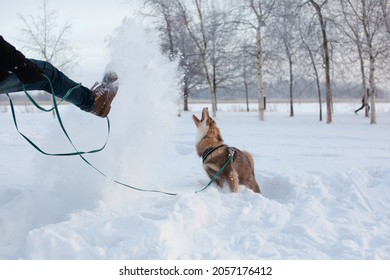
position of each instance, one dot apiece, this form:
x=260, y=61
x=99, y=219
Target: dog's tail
x=252, y=184
x=250, y=158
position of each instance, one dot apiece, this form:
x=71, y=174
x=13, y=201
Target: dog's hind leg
x=232, y=180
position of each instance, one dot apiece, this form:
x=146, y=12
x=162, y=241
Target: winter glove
x=29, y=72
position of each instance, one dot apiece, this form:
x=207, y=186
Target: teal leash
x=55, y=108
x=81, y=153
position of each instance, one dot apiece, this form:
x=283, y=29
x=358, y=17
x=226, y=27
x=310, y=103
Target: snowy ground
x=326, y=188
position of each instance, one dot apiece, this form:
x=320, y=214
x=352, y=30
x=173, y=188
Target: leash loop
x=55, y=108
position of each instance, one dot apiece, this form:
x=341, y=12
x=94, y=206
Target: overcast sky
x=92, y=21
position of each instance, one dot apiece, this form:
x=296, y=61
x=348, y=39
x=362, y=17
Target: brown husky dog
x=209, y=146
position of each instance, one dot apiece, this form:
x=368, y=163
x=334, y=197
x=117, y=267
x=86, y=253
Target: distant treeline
x=303, y=89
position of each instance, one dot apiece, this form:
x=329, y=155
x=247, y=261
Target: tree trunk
x=259, y=58
x=329, y=98
x=291, y=86
x=371, y=53
x=246, y=96
x=202, y=47
x=215, y=87
x=211, y=87
x=319, y=95
x=361, y=61
x=372, y=85
x=318, y=85
x=313, y=62
x=186, y=92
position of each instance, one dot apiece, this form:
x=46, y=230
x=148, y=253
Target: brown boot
x=104, y=94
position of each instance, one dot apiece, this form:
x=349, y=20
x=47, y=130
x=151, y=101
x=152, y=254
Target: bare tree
x=255, y=16
x=260, y=16
x=175, y=42
x=246, y=69
x=190, y=63
x=325, y=46
x=209, y=29
x=371, y=22
x=43, y=38
x=369, y=14
x=355, y=35
x=163, y=10
x=308, y=38
x=284, y=31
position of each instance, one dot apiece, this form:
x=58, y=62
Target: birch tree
x=371, y=22
x=352, y=28
x=257, y=14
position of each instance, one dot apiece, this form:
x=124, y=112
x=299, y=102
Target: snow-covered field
x=326, y=188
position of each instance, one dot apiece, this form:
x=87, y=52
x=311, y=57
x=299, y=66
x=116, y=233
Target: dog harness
x=209, y=151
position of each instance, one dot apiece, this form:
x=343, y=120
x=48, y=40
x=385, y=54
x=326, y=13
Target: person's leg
x=357, y=110
x=81, y=96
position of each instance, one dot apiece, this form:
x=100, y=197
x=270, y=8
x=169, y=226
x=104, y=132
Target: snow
x=325, y=187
